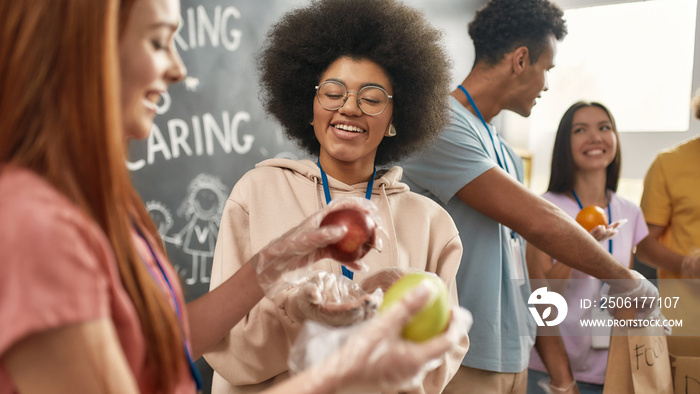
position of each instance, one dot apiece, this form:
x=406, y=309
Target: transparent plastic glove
x=374, y=357
x=288, y=258
x=603, y=233
x=635, y=289
x=690, y=266
x=641, y=290
x=549, y=388
x=572, y=388
x=330, y=299
x=384, y=278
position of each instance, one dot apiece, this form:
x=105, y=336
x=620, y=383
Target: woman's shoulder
x=416, y=205
x=37, y=217
x=57, y=266
x=556, y=198
x=624, y=202
x=679, y=154
x=26, y=198
x=280, y=168
x=18, y=184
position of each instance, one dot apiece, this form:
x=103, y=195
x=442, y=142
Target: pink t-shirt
x=57, y=269
x=589, y=364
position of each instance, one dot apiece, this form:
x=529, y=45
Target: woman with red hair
x=89, y=302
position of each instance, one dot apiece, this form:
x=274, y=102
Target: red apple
x=360, y=236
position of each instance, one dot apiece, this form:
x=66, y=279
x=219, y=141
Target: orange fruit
x=592, y=216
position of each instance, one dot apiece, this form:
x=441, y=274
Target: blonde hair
x=60, y=118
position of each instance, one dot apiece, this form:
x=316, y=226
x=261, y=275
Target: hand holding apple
x=432, y=319
x=375, y=357
x=359, y=238
x=288, y=259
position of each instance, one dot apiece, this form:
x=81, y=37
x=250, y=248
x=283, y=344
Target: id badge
x=600, y=336
x=517, y=261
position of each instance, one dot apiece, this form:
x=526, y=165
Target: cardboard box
x=685, y=363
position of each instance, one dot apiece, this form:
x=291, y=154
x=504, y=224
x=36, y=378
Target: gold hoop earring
x=391, y=132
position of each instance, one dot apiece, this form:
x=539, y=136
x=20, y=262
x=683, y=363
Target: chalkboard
x=210, y=130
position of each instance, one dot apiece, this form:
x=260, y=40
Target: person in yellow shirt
x=671, y=206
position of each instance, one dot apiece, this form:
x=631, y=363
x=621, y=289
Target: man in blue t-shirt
x=478, y=179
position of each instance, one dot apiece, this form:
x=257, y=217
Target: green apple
x=435, y=314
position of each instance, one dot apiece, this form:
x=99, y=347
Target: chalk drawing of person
x=163, y=219
x=202, y=207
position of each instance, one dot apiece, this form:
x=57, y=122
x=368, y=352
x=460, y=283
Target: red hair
x=60, y=117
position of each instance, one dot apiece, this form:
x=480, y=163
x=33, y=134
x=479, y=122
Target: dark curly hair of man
x=303, y=44
x=504, y=25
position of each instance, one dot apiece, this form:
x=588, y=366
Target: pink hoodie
x=277, y=195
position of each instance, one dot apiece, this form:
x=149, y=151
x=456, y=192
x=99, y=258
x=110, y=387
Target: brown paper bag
x=638, y=363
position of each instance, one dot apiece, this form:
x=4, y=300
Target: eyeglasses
x=372, y=100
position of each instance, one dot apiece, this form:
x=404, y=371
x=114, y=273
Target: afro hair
x=304, y=43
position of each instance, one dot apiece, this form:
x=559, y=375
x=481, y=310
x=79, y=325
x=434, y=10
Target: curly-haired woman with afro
x=358, y=85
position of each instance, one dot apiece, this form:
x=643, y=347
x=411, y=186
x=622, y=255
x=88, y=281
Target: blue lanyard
x=504, y=165
x=327, y=192
x=580, y=206
x=193, y=367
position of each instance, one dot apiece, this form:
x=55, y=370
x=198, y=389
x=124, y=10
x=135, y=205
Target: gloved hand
x=327, y=298
x=690, y=266
x=635, y=289
x=289, y=257
x=570, y=389
x=384, y=278
x=643, y=292
x=376, y=358
x=546, y=386
x=602, y=233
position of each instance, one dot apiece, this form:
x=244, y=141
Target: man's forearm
x=567, y=242
x=503, y=199
x=653, y=252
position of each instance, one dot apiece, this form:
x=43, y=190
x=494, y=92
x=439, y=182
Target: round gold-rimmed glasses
x=372, y=100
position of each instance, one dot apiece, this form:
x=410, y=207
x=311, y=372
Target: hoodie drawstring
x=391, y=230
x=319, y=204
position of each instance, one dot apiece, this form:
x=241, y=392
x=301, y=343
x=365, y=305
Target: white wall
x=638, y=148
x=452, y=17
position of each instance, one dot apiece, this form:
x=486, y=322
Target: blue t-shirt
x=503, y=332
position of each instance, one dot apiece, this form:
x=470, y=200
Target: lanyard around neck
x=193, y=367
x=504, y=165
x=327, y=192
x=580, y=206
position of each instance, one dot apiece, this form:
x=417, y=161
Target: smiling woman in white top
x=585, y=171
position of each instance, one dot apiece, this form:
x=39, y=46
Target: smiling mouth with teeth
x=595, y=152
x=345, y=127
x=154, y=97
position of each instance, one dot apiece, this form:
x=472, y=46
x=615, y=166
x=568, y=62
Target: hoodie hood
x=386, y=180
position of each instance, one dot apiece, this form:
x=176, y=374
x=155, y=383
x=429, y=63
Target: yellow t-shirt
x=671, y=199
